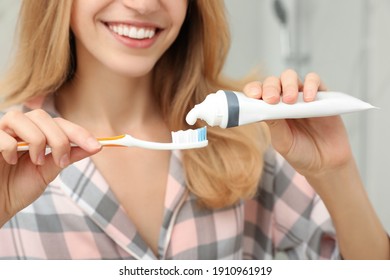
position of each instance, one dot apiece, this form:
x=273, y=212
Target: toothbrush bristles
x=189, y=135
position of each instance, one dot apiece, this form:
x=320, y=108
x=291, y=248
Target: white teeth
x=141, y=33
x=120, y=30
x=151, y=33
x=133, y=32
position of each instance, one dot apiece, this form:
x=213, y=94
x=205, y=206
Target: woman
x=138, y=67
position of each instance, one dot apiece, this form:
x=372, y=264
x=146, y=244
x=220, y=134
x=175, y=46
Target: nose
x=143, y=6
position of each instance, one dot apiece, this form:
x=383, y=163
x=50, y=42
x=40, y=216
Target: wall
x=8, y=17
x=347, y=42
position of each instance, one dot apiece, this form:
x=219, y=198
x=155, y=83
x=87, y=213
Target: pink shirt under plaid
x=78, y=217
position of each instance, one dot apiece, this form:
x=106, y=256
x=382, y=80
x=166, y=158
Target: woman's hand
x=25, y=175
x=313, y=146
x=318, y=148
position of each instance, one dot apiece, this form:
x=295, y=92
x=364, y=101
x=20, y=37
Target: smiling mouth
x=133, y=32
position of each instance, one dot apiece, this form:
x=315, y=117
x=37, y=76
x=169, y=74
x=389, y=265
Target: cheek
x=181, y=17
x=83, y=26
x=177, y=11
x=83, y=14
x=76, y=22
x=177, y=15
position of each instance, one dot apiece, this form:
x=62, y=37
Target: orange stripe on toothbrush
x=112, y=138
x=22, y=144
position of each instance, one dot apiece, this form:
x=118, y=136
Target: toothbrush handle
x=114, y=141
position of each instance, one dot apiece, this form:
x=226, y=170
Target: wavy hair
x=220, y=175
x=42, y=59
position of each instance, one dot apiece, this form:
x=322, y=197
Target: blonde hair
x=42, y=59
x=220, y=175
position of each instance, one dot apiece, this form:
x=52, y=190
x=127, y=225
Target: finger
x=311, y=86
x=253, y=89
x=79, y=136
x=8, y=146
x=281, y=136
x=21, y=126
x=290, y=86
x=56, y=138
x=271, y=90
x=50, y=170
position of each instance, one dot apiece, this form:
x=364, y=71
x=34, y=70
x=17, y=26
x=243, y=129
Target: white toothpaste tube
x=228, y=108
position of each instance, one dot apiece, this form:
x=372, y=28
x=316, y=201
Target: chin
x=133, y=69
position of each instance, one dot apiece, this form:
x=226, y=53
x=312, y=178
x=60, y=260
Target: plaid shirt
x=78, y=217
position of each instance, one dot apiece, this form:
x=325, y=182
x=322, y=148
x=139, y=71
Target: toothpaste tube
x=228, y=108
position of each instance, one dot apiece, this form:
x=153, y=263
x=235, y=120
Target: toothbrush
x=181, y=140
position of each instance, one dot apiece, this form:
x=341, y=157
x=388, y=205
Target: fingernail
x=41, y=159
x=309, y=95
x=64, y=161
x=253, y=91
x=288, y=97
x=272, y=99
x=13, y=160
x=92, y=143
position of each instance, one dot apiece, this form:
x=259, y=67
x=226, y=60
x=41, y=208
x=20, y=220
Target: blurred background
x=347, y=42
